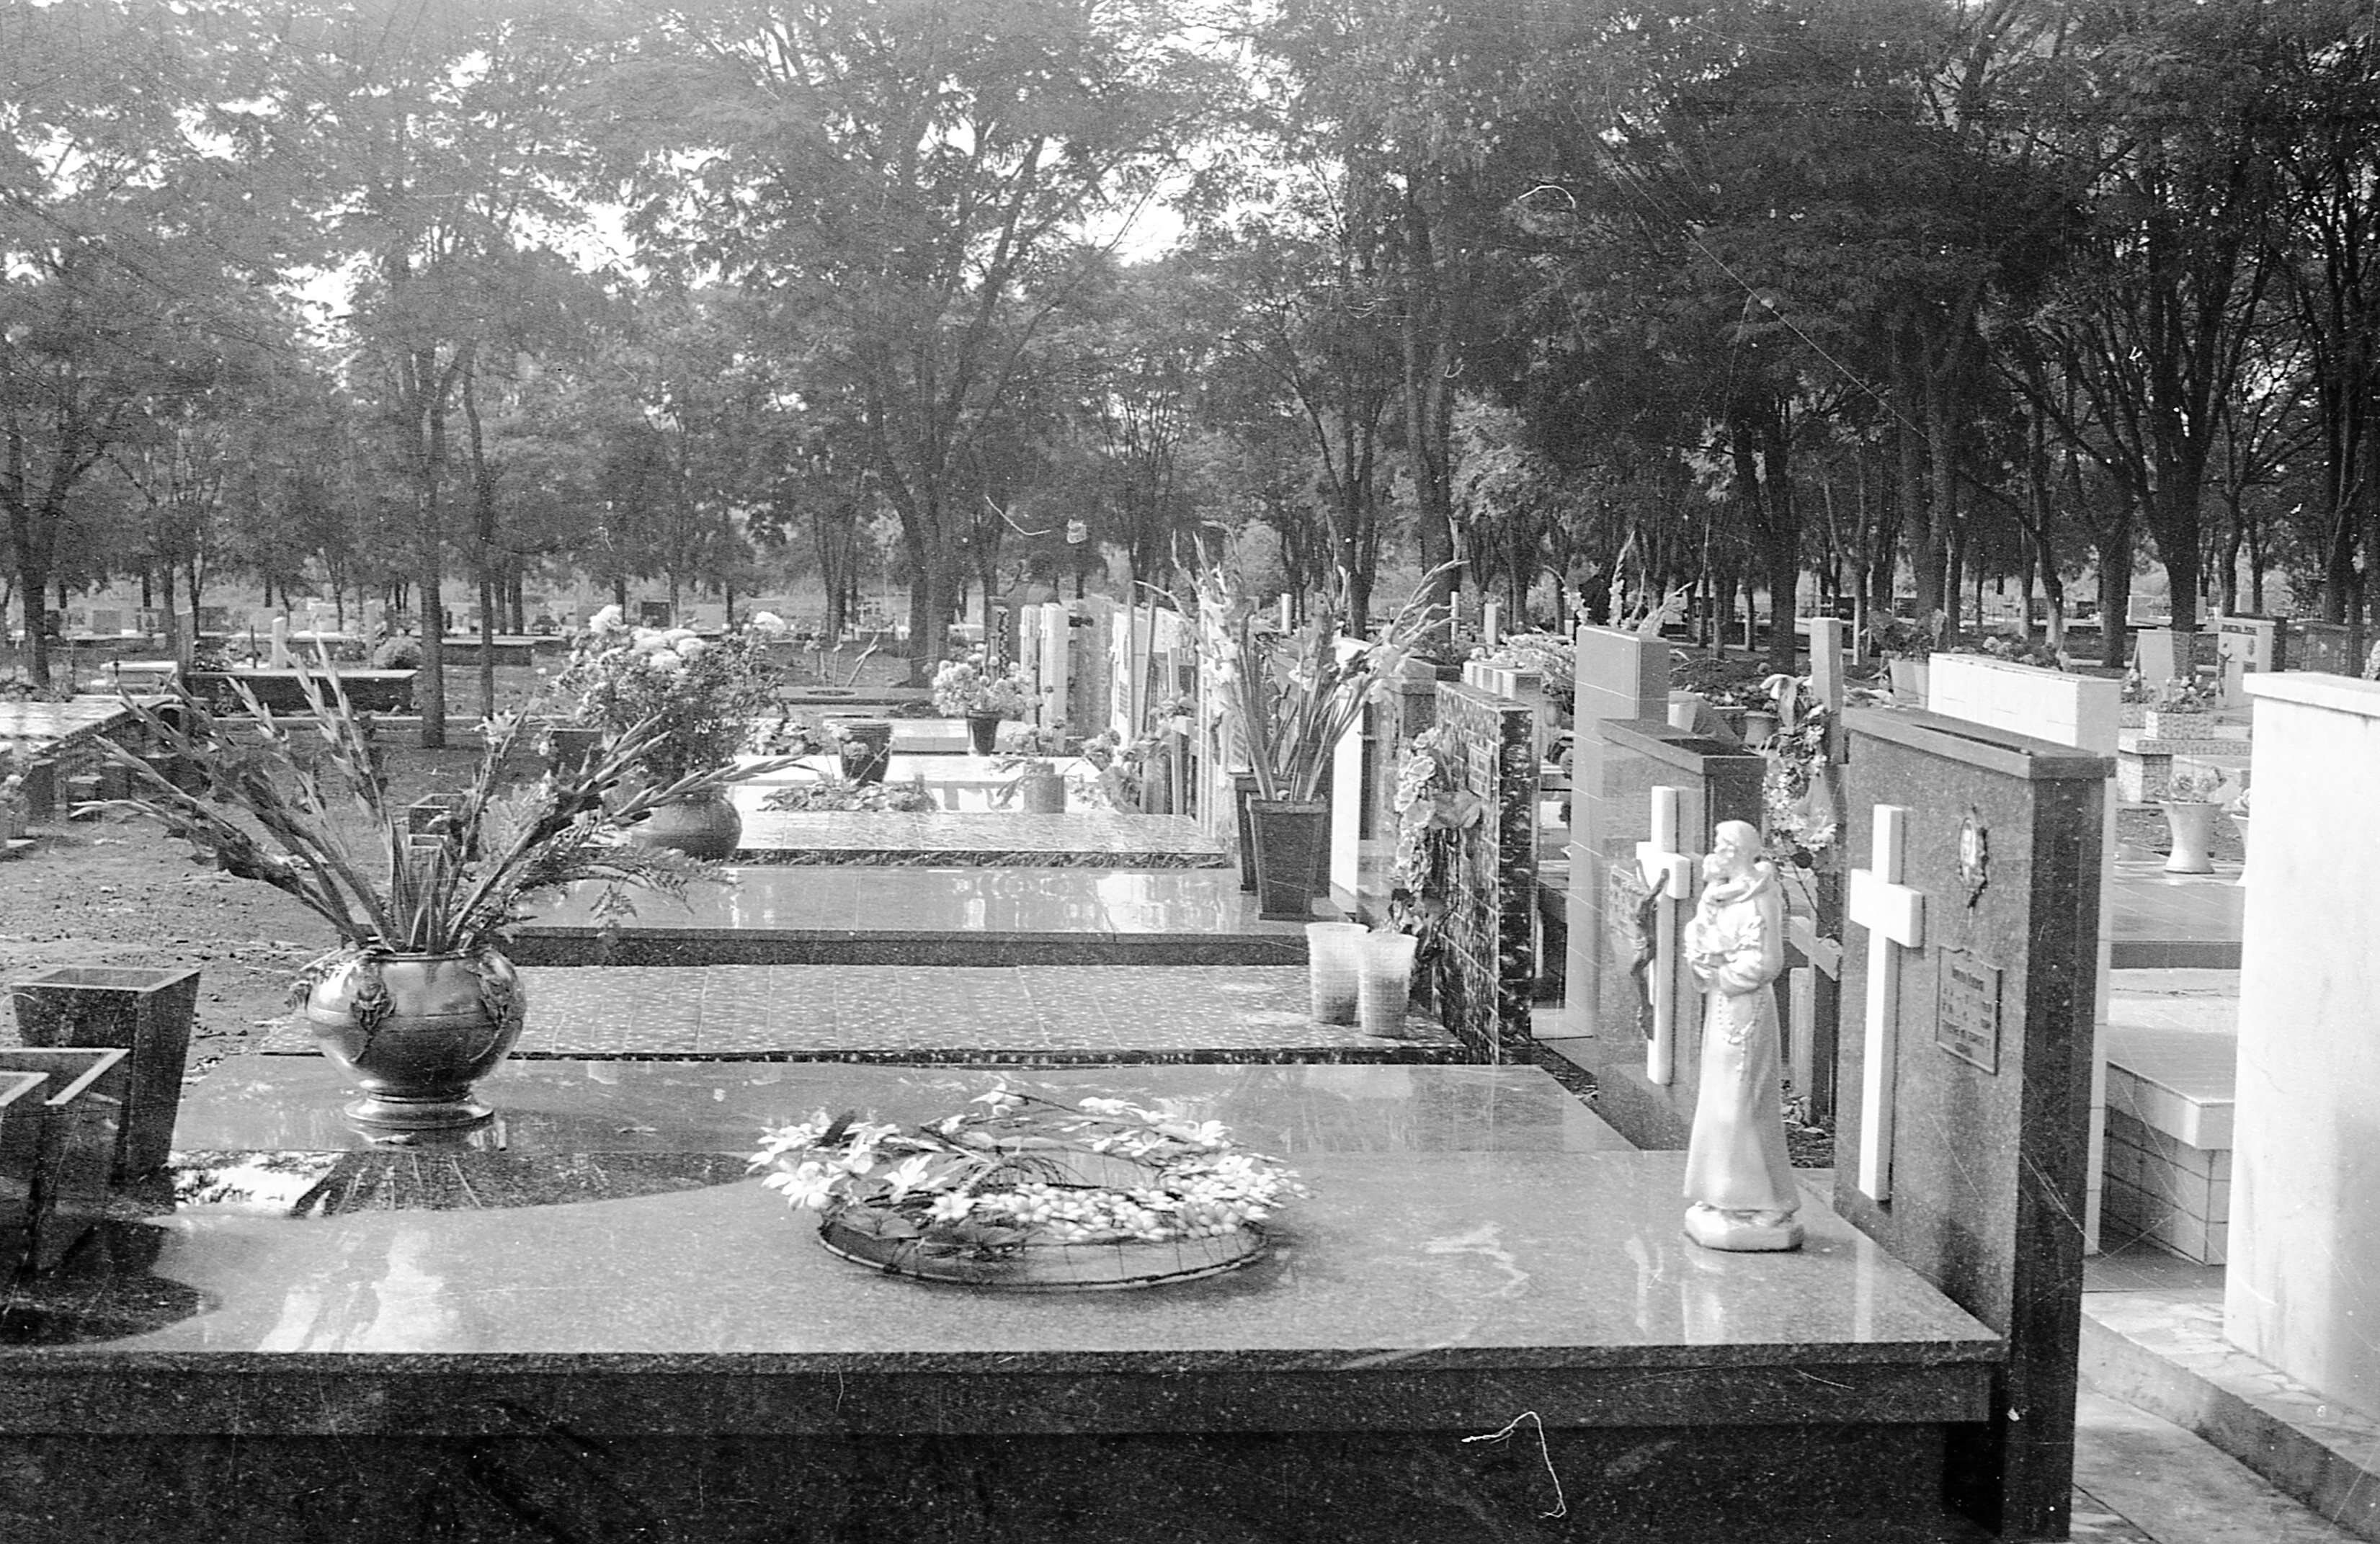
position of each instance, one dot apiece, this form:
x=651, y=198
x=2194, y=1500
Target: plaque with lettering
x=1481, y=770
x=1967, y=1009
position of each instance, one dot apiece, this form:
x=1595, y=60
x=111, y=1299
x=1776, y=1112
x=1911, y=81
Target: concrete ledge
x=2165, y=1353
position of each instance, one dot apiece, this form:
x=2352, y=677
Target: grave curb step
x=586, y=948
x=2227, y=1412
x=1429, y=1052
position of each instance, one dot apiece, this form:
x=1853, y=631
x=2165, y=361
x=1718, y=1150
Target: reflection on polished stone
x=291, y=1104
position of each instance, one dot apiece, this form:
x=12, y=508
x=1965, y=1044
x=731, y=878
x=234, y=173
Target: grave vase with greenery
x=711, y=694
x=1295, y=696
x=417, y=1000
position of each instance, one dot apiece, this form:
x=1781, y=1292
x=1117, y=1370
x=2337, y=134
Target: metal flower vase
x=417, y=1031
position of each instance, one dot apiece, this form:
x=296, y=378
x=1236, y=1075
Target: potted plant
x=417, y=998
x=2188, y=803
x=1904, y=643
x=709, y=697
x=1295, y=696
x=967, y=688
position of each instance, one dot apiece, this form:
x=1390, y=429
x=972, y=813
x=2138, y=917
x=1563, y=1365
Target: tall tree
x=920, y=173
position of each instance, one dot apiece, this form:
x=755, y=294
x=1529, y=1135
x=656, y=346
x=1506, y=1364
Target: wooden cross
x=1669, y=875
x=1894, y=915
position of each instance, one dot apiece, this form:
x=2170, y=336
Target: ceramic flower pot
x=706, y=827
x=2191, y=824
x=867, y=749
x=1041, y=791
x=416, y=1031
x=983, y=732
x=1292, y=843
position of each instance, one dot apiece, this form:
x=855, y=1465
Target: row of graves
x=1493, y=1313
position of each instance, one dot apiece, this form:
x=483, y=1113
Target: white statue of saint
x=1738, y=1177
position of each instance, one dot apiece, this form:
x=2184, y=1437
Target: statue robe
x=1736, y=943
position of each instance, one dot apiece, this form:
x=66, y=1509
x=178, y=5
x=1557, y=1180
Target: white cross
x=1669, y=874
x=1895, y=917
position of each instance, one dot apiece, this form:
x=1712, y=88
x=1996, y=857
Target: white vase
x=2191, y=824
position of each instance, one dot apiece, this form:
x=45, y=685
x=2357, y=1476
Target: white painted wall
x=2302, y=1291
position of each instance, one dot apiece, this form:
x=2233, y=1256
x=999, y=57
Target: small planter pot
x=417, y=1031
x=983, y=732
x=2192, y=825
x=1759, y=726
x=706, y=827
x=572, y=747
x=1041, y=791
x=144, y=1012
x=867, y=749
x=1293, y=841
x=83, y=1100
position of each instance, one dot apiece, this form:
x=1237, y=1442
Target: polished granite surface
x=944, y=1013
x=282, y=1103
x=893, y=914
x=946, y=838
x=1461, y=1217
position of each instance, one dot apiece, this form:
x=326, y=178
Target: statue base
x=1741, y=1232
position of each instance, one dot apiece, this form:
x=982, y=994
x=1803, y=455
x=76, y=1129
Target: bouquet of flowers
x=1017, y=1171
x=968, y=686
x=1432, y=806
x=707, y=696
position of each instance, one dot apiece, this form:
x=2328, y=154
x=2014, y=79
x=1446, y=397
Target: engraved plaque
x=1967, y=1009
x=1482, y=769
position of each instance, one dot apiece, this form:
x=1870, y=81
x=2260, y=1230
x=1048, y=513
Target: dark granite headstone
x=1621, y=678
x=1714, y=785
x=1480, y=980
x=1990, y=1098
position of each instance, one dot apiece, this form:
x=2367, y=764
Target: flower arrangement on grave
x=837, y=793
x=968, y=686
x=421, y=898
x=1796, y=809
x=2017, y=650
x=2192, y=786
x=709, y=695
x=1023, y=1190
x=1432, y=808
x=1295, y=695
x=2191, y=695
x=1552, y=656
x=1903, y=637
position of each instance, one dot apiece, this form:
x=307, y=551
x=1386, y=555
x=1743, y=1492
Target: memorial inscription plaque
x=1967, y=1009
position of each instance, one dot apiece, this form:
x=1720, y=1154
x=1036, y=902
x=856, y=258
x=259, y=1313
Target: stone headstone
x=2083, y=713
x=1988, y=1096
x=2158, y=652
x=1712, y=784
x=2302, y=1288
x=1622, y=678
x=1482, y=977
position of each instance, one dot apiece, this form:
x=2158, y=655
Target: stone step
x=862, y=915
x=1045, y=1016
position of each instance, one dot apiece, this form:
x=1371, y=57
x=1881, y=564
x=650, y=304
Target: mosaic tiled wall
x=1481, y=976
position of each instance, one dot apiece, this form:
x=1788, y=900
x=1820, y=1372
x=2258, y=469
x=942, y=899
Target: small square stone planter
x=83, y=1100
x=144, y=1012
x=22, y=1115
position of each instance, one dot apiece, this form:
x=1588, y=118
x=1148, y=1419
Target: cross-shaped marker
x=1895, y=917
x=1669, y=874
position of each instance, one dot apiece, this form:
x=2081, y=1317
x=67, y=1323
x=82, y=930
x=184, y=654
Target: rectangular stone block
x=144, y=1012
x=83, y=1100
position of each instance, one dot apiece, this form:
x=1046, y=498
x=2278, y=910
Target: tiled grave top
x=2173, y=1053
x=80, y=718
x=1091, y=839
x=1037, y=1015
x=920, y=916
x=2170, y=920
x=1462, y=1220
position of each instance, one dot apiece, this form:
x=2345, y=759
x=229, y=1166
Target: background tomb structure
x=1967, y=1160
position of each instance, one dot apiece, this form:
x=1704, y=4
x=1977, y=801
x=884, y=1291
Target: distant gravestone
x=2159, y=657
x=1976, y=955
x=1481, y=978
